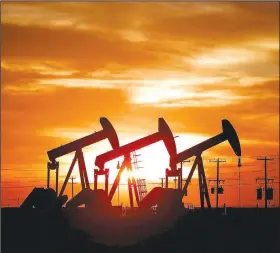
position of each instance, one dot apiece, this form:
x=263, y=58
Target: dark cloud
x=79, y=49
x=21, y=78
x=210, y=29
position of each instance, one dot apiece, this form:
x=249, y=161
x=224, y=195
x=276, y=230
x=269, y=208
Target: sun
x=152, y=160
x=155, y=158
x=128, y=174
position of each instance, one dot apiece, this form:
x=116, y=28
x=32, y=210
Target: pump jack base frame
x=82, y=169
x=131, y=182
x=203, y=189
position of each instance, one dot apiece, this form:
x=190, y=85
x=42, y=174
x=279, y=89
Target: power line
x=206, y=158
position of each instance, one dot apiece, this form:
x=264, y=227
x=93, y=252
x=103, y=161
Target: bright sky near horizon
x=65, y=65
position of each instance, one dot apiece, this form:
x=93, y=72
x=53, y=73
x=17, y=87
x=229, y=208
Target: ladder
x=142, y=188
x=140, y=182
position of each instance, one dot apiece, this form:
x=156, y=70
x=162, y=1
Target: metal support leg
x=48, y=178
x=206, y=193
x=189, y=177
x=135, y=190
x=117, y=180
x=106, y=182
x=95, y=180
x=68, y=175
x=83, y=171
x=201, y=190
x=130, y=193
x=56, y=180
x=82, y=177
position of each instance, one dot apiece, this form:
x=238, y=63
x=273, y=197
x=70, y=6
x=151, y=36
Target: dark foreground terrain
x=241, y=230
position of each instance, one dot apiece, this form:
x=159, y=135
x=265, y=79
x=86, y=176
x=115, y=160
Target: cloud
x=75, y=49
x=162, y=97
x=211, y=29
x=227, y=56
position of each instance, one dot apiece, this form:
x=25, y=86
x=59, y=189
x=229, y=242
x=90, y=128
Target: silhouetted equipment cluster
x=165, y=201
x=220, y=190
x=259, y=193
x=268, y=190
x=44, y=199
x=269, y=193
x=108, y=132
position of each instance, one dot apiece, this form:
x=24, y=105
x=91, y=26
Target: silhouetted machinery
x=44, y=199
x=76, y=146
x=164, y=133
x=168, y=201
x=47, y=198
x=259, y=193
x=268, y=192
x=220, y=188
x=96, y=200
x=228, y=134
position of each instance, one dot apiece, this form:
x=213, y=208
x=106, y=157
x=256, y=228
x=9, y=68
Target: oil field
x=140, y=127
x=157, y=222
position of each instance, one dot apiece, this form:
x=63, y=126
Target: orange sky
x=64, y=65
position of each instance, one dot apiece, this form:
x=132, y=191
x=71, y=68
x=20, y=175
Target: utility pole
x=72, y=178
x=217, y=161
x=279, y=181
x=161, y=178
x=239, y=182
x=265, y=159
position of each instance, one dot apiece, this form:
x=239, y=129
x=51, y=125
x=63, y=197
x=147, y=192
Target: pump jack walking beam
x=164, y=133
x=228, y=134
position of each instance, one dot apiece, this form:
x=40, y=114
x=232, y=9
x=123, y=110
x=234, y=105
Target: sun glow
x=152, y=160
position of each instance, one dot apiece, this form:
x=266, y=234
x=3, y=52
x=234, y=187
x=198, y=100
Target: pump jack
x=228, y=134
x=108, y=131
x=164, y=133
